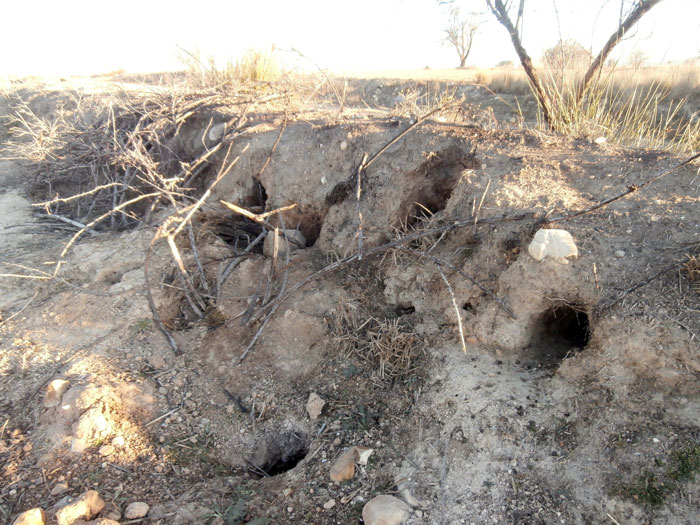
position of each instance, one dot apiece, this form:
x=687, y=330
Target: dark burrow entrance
x=559, y=332
x=276, y=453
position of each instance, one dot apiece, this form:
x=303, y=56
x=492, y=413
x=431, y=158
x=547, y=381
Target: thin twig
x=358, y=195
x=274, y=147
x=163, y=416
x=628, y=191
x=610, y=301
x=454, y=304
x=235, y=262
x=195, y=254
x=260, y=218
x=394, y=244
x=440, y=262
x=149, y=297
x=66, y=220
x=3, y=321
x=398, y=137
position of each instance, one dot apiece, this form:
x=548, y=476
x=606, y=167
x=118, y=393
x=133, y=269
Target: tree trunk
x=642, y=8
x=501, y=14
x=462, y=61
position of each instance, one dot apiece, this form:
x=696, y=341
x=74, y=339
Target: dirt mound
x=574, y=398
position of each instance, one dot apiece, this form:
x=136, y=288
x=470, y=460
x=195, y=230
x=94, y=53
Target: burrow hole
x=559, y=332
x=278, y=452
x=440, y=172
x=307, y=219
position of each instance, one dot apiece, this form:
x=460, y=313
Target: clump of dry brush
x=388, y=344
x=107, y=160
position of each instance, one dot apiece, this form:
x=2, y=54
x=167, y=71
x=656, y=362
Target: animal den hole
x=438, y=176
x=277, y=453
x=559, y=332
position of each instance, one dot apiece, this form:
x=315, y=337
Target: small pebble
x=136, y=510
x=343, y=145
x=328, y=505
x=106, y=450
x=619, y=254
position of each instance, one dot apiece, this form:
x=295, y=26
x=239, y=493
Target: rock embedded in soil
x=344, y=467
x=85, y=507
x=156, y=361
x=54, y=392
x=328, y=505
x=35, y=516
x=385, y=510
x=135, y=510
x=106, y=450
x=314, y=405
x=59, y=488
x=619, y=254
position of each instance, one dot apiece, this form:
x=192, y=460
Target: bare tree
x=567, y=54
x=500, y=9
x=460, y=34
x=636, y=59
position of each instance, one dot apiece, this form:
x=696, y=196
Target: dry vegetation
x=654, y=107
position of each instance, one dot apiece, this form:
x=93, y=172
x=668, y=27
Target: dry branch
x=628, y=191
x=454, y=304
x=257, y=217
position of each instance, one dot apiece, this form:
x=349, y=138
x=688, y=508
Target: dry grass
x=255, y=65
x=387, y=344
x=652, y=108
x=692, y=270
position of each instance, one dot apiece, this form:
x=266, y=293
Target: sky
x=75, y=37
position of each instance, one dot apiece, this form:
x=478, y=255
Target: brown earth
x=576, y=401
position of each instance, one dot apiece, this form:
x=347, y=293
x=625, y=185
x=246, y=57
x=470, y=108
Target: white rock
x=314, y=405
x=619, y=254
x=296, y=239
x=600, y=140
x=217, y=131
x=363, y=454
x=557, y=244
x=84, y=507
x=118, y=441
x=54, y=392
x=328, y=505
x=343, y=145
x=385, y=510
x=135, y=510
x=35, y=516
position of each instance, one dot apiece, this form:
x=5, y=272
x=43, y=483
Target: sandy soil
x=576, y=399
